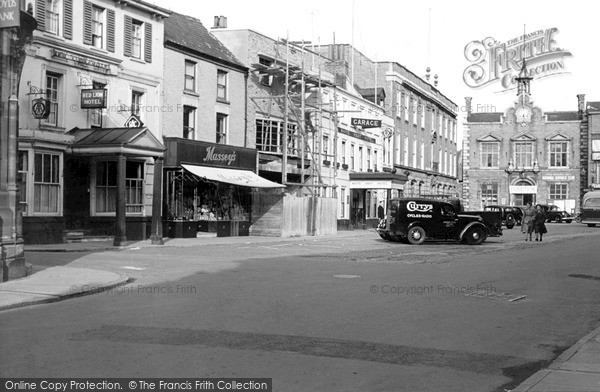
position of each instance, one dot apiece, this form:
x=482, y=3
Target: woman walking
x=527, y=221
x=539, y=220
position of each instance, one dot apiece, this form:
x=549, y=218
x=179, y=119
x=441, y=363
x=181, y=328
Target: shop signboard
x=365, y=122
x=93, y=98
x=9, y=14
x=195, y=152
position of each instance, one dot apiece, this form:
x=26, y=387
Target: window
x=22, y=175
x=265, y=79
x=375, y=160
x=414, y=153
x=106, y=187
x=405, y=106
x=558, y=154
x=343, y=152
x=422, y=115
x=325, y=147
x=342, y=202
x=415, y=108
x=269, y=137
x=523, y=154
x=136, y=38
x=352, y=157
x=46, y=183
x=221, y=128
x=360, y=158
x=53, y=16
x=490, y=153
x=222, y=85
x=558, y=191
x=136, y=102
x=96, y=114
x=97, y=27
x=489, y=193
x=406, y=145
x=189, y=83
x=189, y=122
x=422, y=156
x=52, y=86
x=368, y=159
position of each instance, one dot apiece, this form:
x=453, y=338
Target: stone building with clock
x=521, y=155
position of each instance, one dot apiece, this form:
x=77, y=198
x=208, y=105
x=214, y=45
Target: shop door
x=357, y=210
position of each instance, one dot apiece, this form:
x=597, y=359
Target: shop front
x=208, y=188
x=369, y=192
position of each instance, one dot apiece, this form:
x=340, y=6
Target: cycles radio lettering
x=413, y=206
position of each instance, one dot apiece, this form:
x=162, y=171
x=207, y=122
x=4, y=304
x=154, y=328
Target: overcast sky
x=398, y=31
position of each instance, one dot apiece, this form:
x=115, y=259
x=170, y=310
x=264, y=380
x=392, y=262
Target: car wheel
x=416, y=235
x=568, y=221
x=558, y=219
x=475, y=236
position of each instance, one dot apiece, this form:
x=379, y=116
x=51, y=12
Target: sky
x=433, y=33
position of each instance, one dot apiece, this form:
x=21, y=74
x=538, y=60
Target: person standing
x=380, y=211
x=527, y=221
x=539, y=222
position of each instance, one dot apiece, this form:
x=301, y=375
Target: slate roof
x=485, y=117
x=190, y=35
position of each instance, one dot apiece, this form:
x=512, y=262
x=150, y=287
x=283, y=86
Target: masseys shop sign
x=495, y=62
x=195, y=152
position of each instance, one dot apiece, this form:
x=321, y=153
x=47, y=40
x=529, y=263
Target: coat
x=539, y=225
x=526, y=222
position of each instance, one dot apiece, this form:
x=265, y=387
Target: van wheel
x=416, y=235
x=475, y=236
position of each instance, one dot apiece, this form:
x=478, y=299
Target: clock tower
x=523, y=110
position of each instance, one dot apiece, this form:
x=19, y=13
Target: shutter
x=68, y=19
x=110, y=30
x=40, y=14
x=148, y=42
x=127, y=37
x=87, y=23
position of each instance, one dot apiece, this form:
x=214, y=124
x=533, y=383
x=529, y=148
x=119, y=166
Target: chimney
x=468, y=107
x=581, y=103
x=220, y=22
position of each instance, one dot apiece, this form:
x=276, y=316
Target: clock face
x=523, y=114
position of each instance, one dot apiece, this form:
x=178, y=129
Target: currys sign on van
x=413, y=206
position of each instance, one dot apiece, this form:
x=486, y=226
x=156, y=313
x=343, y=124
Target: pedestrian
x=527, y=221
x=539, y=225
x=380, y=211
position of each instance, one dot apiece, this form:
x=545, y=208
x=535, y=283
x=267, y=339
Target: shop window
x=222, y=85
x=558, y=191
x=221, y=128
x=189, y=122
x=47, y=188
x=190, y=76
x=342, y=202
x=558, y=154
x=106, y=187
x=489, y=194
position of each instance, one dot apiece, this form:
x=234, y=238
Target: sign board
x=365, y=122
x=527, y=189
x=10, y=15
x=558, y=177
x=40, y=108
x=93, y=98
x=133, y=122
x=374, y=184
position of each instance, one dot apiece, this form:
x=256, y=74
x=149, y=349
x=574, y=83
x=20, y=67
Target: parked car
x=555, y=214
x=590, y=209
x=414, y=220
x=511, y=215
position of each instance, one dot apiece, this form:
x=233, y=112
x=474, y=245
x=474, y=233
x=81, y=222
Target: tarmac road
x=330, y=314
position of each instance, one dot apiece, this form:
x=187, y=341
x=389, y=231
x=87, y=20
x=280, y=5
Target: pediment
x=490, y=137
x=523, y=137
x=558, y=137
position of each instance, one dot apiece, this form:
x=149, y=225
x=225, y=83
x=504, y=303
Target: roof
x=593, y=106
x=189, y=34
x=562, y=116
x=485, y=117
x=136, y=141
x=369, y=93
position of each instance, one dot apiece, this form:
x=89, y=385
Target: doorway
x=522, y=199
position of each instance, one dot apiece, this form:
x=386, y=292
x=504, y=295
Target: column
x=157, y=234
x=120, y=224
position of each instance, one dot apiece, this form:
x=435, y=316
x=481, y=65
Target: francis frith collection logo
x=500, y=62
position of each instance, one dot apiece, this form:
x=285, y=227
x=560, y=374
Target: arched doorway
x=523, y=191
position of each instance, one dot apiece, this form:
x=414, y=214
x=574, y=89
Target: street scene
x=324, y=196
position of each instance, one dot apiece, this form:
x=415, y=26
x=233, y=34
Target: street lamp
x=522, y=170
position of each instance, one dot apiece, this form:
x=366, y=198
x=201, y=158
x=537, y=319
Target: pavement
x=576, y=369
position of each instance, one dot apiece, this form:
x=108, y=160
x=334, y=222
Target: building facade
x=89, y=128
x=522, y=155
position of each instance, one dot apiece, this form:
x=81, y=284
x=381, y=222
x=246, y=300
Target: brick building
x=521, y=155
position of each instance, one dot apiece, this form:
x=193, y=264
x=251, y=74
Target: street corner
x=57, y=283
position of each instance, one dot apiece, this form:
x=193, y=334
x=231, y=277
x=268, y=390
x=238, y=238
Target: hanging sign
x=365, y=122
x=133, y=122
x=40, y=108
x=93, y=98
x=10, y=15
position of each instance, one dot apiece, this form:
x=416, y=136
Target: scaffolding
x=299, y=85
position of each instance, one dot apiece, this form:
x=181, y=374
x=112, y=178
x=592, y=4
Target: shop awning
x=232, y=176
